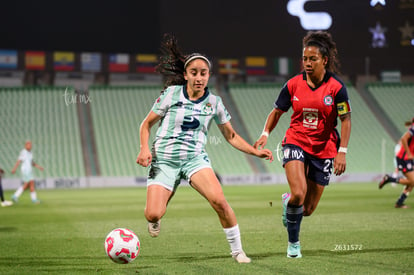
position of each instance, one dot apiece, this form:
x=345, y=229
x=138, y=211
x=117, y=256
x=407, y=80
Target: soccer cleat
x=36, y=201
x=154, y=228
x=401, y=206
x=384, y=181
x=14, y=199
x=241, y=257
x=293, y=250
x=285, y=200
x=6, y=203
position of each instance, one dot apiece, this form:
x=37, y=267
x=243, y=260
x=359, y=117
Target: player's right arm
x=15, y=166
x=271, y=122
x=239, y=143
x=144, y=157
x=281, y=105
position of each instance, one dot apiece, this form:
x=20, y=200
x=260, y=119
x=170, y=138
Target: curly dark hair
x=172, y=61
x=327, y=47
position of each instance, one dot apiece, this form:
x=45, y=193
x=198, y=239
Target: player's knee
x=220, y=205
x=297, y=197
x=153, y=216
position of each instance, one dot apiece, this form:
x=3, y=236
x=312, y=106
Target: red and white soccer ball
x=122, y=245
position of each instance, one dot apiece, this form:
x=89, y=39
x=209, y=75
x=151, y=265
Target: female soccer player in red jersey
x=312, y=145
x=405, y=163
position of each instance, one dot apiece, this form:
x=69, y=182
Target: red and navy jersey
x=402, y=154
x=315, y=111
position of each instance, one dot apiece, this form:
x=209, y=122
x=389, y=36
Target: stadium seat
x=395, y=101
x=41, y=115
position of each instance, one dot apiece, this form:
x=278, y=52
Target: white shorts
x=168, y=173
x=27, y=176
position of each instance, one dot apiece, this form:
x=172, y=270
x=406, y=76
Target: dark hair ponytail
x=327, y=47
x=171, y=62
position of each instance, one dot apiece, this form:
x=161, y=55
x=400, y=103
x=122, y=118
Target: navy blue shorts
x=318, y=170
x=404, y=165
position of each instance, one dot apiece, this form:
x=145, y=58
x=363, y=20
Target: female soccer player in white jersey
x=26, y=159
x=185, y=109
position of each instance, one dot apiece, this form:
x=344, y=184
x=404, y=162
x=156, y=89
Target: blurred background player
x=404, y=159
x=310, y=145
x=185, y=109
x=4, y=203
x=397, y=173
x=26, y=160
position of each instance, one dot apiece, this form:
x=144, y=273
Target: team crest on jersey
x=208, y=109
x=328, y=100
x=310, y=118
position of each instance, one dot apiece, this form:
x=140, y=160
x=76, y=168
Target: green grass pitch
x=354, y=230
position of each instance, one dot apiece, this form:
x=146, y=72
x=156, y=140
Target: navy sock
x=393, y=179
x=1, y=192
x=402, y=198
x=294, y=216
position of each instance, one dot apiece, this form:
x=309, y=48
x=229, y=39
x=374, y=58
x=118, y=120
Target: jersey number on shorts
x=190, y=123
x=328, y=166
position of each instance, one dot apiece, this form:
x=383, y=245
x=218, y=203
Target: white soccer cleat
x=15, y=199
x=293, y=250
x=241, y=257
x=6, y=203
x=154, y=228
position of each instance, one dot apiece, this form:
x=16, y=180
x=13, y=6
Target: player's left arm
x=340, y=159
x=239, y=143
x=343, y=108
x=34, y=164
x=404, y=143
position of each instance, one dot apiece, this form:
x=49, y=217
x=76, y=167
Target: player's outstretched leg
x=386, y=179
x=206, y=183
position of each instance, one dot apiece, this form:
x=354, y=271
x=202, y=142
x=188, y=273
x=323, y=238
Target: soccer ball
x=122, y=245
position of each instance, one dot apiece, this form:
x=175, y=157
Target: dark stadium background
x=218, y=28
x=42, y=92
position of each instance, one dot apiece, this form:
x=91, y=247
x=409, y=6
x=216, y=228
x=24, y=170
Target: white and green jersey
x=182, y=133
